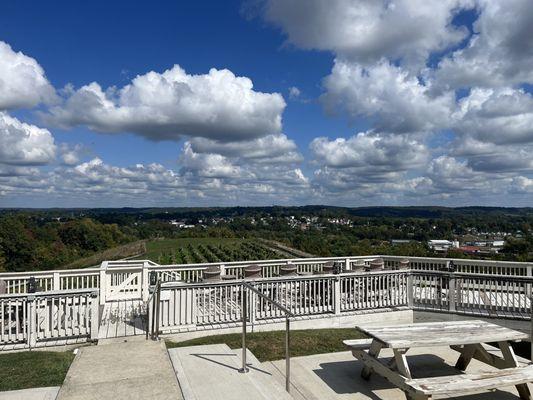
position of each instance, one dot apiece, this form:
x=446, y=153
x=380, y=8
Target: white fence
x=183, y=306
x=33, y=320
x=66, y=303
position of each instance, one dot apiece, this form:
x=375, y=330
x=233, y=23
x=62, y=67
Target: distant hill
x=167, y=213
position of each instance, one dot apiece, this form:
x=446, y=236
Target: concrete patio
x=336, y=376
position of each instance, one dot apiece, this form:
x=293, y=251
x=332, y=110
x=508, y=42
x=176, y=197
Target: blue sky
x=353, y=103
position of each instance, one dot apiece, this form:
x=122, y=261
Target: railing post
x=287, y=355
x=32, y=321
x=252, y=308
x=56, y=281
x=95, y=315
x=244, y=310
x=410, y=289
x=451, y=292
x=337, y=295
x=145, y=282
x=103, y=282
x=347, y=265
x=529, y=273
x=222, y=270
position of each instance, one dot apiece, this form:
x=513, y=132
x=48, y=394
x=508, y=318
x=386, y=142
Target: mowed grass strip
x=268, y=346
x=30, y=369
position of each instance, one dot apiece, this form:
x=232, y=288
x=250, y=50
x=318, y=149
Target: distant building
x=441, y=245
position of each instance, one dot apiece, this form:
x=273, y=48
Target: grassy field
x=268, y=346
x=31, y=369
x=201, y=250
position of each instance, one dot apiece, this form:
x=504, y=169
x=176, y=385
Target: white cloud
x=208, y=165
x=70, y=154
x=367, y=30
x=522, y=184
x=388, y=95
x=498, y=116
x=24, y=144
x=294, y=92
x=22, y=80
x=167, y=106
x=370, y=151
x=268, y=149
x=500, y=53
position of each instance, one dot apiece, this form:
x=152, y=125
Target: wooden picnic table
x=466, y=337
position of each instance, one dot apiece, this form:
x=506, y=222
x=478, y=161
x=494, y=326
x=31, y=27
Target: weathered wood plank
x=471, y=383
x=442, y=334
x=358, y=343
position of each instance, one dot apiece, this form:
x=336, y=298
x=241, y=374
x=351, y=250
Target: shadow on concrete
x=206, y=357
x=344, y=377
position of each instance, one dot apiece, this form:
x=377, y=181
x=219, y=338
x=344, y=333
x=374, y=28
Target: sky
x=266, y=102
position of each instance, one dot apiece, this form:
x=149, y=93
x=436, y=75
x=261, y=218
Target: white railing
x=199, y=305
x=499, y=296
x=30, y=320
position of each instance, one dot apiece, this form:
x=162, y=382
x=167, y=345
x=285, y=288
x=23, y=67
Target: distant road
x=289, y=251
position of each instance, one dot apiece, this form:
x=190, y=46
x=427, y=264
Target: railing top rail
x=271, y=301
x=50, y=273
x=261, y=262
x=299, y=278
x=460, y=261
x=51, y=293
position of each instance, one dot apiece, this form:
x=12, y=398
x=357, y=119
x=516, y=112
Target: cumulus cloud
x=173, y=104
x=368, y=30
x=490, y=157
x=500, y=53
x=24, y=144
x=22, y=80
x=366, y=164
x=268, y=149
x=394, y=100
x=370, y=150
x=500, y=116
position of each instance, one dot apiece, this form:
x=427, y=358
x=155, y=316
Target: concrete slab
x=211, y=372
x=46, y=393
x=336, y=376
x=121, y=371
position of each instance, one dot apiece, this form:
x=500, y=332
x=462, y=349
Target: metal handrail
x=288, y=313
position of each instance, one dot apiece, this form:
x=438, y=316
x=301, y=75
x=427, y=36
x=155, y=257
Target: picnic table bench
x=466, y=337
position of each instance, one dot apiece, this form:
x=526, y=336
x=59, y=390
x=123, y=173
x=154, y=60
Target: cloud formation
x=24, y=144
x=174, y=104
x=23, y=83
x=369, y=30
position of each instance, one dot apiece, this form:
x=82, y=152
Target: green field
x=203, y=250
x=268, y=346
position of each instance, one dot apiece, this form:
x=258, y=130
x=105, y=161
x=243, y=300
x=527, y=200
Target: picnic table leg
x=374, y=350
x=467, y=353
x=510, y=358
x=400, y=362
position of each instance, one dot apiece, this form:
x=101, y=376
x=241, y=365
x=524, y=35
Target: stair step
x=262, y=378
x=204, y=370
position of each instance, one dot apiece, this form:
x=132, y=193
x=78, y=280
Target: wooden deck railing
x=65, y=298
x=46, y=318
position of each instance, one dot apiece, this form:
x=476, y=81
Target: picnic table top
x=447, y=333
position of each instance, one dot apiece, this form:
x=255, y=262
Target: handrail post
x=287, y=355
x=95, y=317
x=244, y=311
